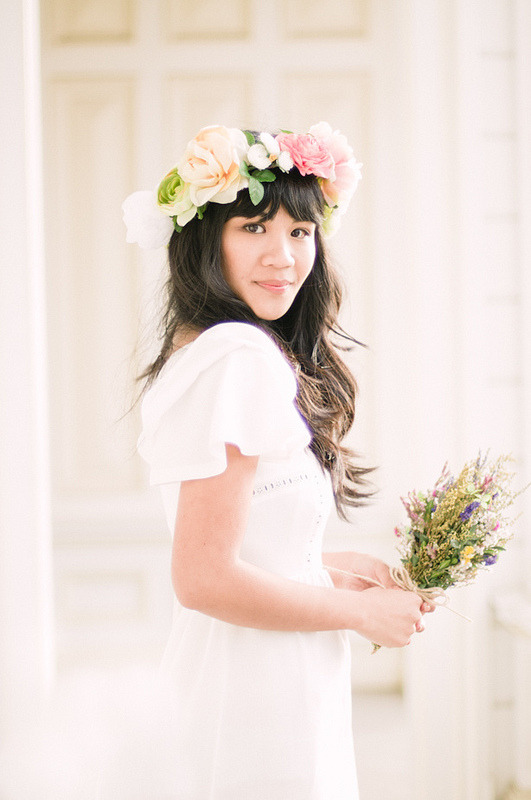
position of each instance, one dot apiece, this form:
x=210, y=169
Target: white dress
x=260, y=715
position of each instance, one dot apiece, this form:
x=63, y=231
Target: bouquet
x=456, y=529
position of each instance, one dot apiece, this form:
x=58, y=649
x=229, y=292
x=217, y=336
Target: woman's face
x=266, y=263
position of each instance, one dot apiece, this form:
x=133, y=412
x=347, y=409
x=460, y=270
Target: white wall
x=26, y=624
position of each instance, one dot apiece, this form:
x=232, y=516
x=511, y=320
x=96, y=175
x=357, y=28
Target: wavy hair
x=198, y=296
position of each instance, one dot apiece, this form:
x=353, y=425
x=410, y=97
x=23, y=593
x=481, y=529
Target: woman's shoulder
x=245, y=351
x=215, y=342
x=231, y=383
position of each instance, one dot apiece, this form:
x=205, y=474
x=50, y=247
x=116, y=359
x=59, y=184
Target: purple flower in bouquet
x=467, y=513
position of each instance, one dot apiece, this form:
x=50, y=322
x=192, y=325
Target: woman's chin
x=271, y=311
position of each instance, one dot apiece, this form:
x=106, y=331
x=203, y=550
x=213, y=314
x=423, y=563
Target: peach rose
x=310, y=154
x=211, y=165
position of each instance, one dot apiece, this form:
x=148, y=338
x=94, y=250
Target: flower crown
x=220, y=161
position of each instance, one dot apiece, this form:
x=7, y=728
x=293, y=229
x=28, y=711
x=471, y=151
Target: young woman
x=244, y=414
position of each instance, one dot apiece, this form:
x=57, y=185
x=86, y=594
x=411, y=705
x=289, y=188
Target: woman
x=246, y=408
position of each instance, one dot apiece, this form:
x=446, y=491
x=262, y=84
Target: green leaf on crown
x=256, y=191
x=250, y=138
x=244, y=170
x=264, y=175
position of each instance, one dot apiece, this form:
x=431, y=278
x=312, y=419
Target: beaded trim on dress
x=282, y=483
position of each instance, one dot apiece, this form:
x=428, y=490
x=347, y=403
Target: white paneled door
x=126, y=84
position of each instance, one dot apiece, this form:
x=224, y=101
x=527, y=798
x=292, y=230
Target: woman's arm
x=209, y=576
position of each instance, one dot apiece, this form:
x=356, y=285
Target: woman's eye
x=300, y=233
x=254, y=227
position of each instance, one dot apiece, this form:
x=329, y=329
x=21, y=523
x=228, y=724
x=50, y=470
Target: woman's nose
x=278, y=253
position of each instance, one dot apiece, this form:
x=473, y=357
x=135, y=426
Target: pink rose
x=211, y=165
x=310, y=155
x=339, y=189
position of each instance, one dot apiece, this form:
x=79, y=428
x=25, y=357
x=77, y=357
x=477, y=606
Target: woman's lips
x=277, y=287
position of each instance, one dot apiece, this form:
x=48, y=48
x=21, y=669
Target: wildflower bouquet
x=458, y=528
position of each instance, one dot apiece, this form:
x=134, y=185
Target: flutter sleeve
x=232, y=385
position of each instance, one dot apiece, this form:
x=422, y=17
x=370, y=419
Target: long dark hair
x=198, y=296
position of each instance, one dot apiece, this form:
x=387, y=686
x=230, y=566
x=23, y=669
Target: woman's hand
x=389, y=617
x=342, y=564
x=374, y=569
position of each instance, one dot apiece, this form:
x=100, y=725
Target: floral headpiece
x=220, y=161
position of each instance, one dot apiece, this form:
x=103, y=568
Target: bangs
x=299, y=195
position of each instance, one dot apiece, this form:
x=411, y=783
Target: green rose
x=173, y=198
x=168, y=188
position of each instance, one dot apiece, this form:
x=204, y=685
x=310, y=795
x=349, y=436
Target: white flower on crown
x=257, y=156
x=267, y=153
x=144, y=222
x=270, y=143
x=263, y=153
x=284, y=161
